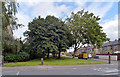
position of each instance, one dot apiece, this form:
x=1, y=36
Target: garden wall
x=106, y=57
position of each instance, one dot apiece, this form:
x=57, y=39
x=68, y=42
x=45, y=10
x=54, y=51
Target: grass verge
x=54, y=61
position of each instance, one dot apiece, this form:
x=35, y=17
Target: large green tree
x=58, y=33
x=47, y=35
x=85, y=30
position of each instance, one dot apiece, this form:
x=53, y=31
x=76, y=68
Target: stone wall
x=106, y=57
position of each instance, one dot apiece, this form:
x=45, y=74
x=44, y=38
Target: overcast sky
x=106, y=10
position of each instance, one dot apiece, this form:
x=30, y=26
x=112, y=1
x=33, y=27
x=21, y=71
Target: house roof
x=112, y=43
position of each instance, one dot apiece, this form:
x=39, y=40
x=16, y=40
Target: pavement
x=97, y=69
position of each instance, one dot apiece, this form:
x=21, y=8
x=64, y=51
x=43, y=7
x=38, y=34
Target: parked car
x=89, y=56
x=69, y=55
x=76, y=55
x=96, y=57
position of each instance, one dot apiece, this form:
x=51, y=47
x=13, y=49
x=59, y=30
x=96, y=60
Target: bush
x=22, y=56
x=72, y=54
x=84, y=52
x=10, y=58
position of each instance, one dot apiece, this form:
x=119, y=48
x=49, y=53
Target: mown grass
x=54, y=61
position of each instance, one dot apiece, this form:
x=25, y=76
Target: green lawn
x=52, y=61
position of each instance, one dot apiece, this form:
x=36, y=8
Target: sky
x=105, y=9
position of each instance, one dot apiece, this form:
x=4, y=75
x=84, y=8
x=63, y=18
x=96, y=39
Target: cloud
x=110, y=27
x=80, y=5
x=96, y=7
x=22, y=19
x=48, y=8
x=31, y=1
x=99, y=9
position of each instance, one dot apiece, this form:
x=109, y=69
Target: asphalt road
x=99, y=69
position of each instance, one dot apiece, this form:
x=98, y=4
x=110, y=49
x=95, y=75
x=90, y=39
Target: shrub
x=10, y=58
x=22, y=56
x=84, y=52
x=72, y=54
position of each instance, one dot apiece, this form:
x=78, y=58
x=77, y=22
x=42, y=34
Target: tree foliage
x=9, y=20
x=47, y=35
x=85, y=29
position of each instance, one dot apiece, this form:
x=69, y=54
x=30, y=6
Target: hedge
x=22, y=56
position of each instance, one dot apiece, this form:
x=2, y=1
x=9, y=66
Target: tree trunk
x=59, y=53
x=75, y=49
x=53, y=54
x=74, y=54
x=48, y=54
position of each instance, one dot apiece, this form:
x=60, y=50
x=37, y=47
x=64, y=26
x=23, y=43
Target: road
x=98, y=69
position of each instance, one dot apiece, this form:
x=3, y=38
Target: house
x=88, y=49
x=111, y=46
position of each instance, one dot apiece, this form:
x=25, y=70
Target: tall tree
x=60, y=33
x=85, y=29
x=47, y=35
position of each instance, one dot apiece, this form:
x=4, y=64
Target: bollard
x=42, y=61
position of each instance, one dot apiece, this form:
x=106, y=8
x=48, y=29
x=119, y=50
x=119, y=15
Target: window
x=111, y=47
x=116, y=48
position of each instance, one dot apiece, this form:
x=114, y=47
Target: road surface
x=98, y=69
